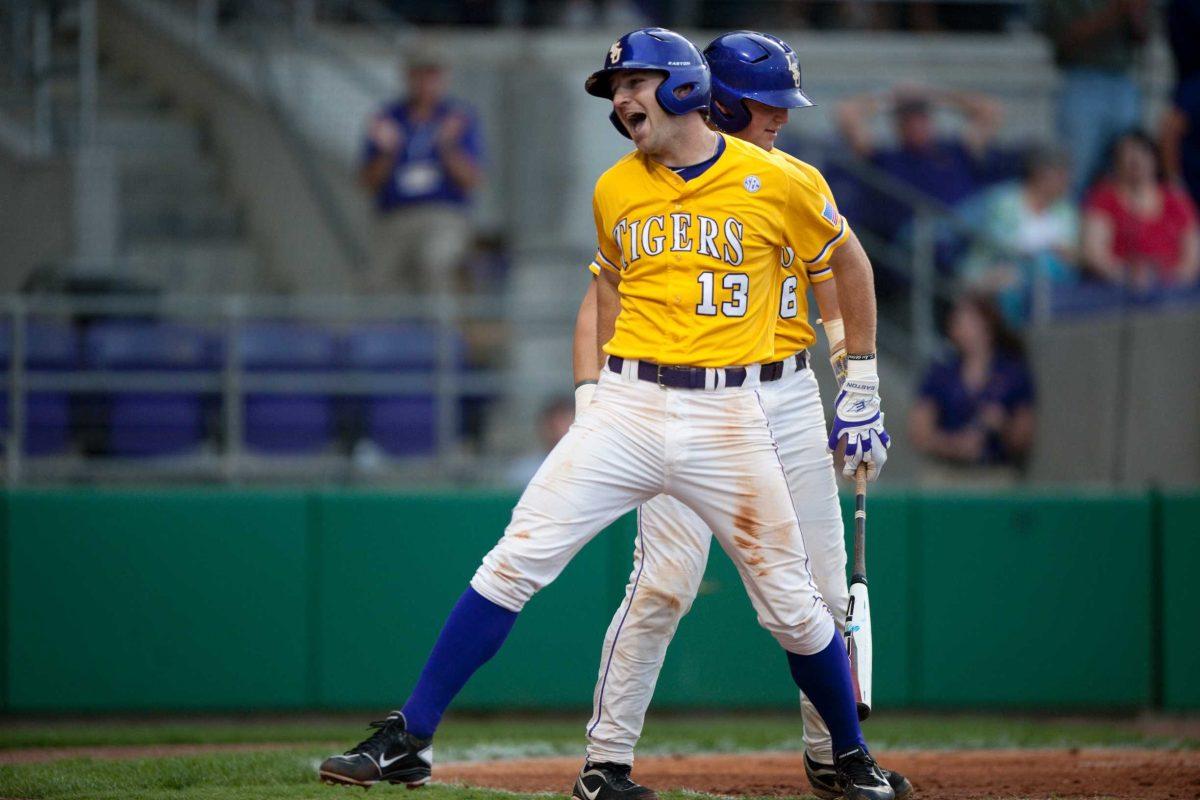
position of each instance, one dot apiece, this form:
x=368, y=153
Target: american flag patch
x=830, y=213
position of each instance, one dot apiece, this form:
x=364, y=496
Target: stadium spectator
x=1028, y=234
x=1180, y=135
x=974, y=414
x=1095, y=45
x=1138, y=230
x=946, y=168
x=422, y=161
x=553, y=422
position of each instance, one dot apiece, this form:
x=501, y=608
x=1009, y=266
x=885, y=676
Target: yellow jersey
x=794, y=332
x=699, y=260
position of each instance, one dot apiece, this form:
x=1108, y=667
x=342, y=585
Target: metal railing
x=229, y=381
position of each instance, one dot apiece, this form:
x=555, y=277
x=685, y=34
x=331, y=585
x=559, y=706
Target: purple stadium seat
x=291, y=423
x=401, y=425
x=49, y=347
x=150, y=423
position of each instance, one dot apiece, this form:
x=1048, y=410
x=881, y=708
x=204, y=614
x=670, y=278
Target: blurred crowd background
x=344, y=240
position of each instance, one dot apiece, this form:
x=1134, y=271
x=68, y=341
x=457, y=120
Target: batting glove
x=583, y=396
x=859, y=421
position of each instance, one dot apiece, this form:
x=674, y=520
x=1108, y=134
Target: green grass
x=226, y=776
x=289, y=772
x=479, y=737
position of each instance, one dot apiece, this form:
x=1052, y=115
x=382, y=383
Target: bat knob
x=864, y=711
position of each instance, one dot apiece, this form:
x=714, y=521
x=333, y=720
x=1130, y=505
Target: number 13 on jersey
x=737, y=284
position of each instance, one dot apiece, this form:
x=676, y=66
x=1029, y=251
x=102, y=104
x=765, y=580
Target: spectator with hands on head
x=947, y=168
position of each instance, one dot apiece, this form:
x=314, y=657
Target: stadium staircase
x=180, y=230
x=173, y=226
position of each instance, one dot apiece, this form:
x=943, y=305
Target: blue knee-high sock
x=824, y=678
x=472, y=634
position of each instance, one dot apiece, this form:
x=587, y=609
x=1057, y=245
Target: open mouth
x=634, y=120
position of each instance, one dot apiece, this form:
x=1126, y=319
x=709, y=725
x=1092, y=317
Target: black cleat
x=390, y=754
x=607, y=781
x=823, y=779
x=859, y=777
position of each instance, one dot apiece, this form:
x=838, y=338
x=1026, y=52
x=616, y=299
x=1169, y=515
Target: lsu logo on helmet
x=793, y=63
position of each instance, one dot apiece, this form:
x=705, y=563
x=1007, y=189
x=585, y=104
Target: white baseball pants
x=710, y=449
x=668, y=564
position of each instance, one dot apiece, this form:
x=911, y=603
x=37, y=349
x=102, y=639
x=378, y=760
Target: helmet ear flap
x=740, y=117
x=620, y=126
x=695, y=98
x=728, y=111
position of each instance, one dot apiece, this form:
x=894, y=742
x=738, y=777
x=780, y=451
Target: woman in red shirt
x=1137, y=229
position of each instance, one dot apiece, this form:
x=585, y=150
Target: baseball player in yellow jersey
x=755, y=80
x=690, y=255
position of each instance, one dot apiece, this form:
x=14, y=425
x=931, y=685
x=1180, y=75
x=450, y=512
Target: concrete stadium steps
x=177, y=214
x=145, y=130
x=210, y=265
x=149, y=175
x=179, y=229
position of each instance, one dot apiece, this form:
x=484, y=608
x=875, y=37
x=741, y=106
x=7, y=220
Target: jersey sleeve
x=608, y=254
x=813, y=227
x=819, y=271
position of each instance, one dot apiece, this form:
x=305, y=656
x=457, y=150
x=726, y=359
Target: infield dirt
x=937, y=775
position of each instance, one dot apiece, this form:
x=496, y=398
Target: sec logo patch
x=752, y=183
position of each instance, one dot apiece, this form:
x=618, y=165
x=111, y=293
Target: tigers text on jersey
x=699, y=260
x=794, y=332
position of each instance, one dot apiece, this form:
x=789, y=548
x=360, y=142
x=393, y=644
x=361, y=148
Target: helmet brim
x=781, y=98
x=599, y=83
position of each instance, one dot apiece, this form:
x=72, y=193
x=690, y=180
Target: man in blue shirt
x=422, y=160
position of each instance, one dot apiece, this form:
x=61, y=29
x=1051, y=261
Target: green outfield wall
x=213, y=599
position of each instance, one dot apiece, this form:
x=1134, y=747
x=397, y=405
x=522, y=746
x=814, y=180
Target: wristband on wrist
x=861, y=366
